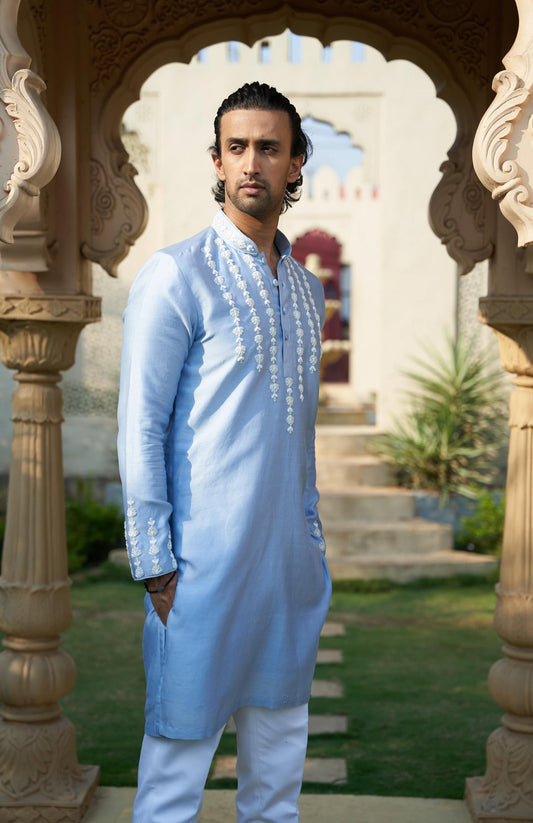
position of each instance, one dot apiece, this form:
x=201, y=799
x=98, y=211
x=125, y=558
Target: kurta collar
x=234, y=237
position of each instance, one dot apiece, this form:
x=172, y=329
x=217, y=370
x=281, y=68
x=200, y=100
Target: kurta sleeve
x=159, y=329
x=311, y=497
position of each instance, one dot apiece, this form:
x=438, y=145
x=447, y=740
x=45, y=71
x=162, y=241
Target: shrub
x=483, y=531
x=452, y=436
x=93, y=528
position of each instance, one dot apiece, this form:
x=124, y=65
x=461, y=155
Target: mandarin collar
x=235, y=238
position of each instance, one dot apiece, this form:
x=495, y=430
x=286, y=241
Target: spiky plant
x=450, y=439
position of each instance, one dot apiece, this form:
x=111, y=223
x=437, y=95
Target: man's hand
x=162, y=601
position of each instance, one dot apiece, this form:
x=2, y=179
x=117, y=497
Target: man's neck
x=262, y=232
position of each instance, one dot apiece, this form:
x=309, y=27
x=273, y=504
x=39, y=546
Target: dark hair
x=267, y=98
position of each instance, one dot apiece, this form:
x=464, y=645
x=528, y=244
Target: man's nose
x=251, y=161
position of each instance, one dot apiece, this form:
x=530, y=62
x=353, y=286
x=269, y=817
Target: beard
x=262, y=203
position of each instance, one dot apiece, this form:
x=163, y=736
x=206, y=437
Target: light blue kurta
x=218, y=398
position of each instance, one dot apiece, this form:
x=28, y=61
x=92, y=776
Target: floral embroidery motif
x=154, y=549
x=317, y=532
x=299, y=335
x=233, y=246
x=248, y=299
x=310, y=310
x=132, y=540
x=272, y=326
x=238, y=330
x=290, y=404
x=134, y=550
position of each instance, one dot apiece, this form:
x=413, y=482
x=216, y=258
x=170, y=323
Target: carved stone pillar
x=505, y=793
x=40, y=779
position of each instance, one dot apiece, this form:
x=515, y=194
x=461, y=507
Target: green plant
x=451, y=437
x=483, y=531
x=93, y=528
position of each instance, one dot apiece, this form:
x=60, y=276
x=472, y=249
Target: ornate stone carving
x=40, y=779
x=38, y=763
x=30, y=141
x=505, y=793
x=120, y=33
x=502, y=145
x=458, y=213
x=501, y=311
x=63, y=308
x=118, y=211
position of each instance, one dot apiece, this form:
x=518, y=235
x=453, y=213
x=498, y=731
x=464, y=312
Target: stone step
x=330, y=770
x=359, y=470
x=114, y=805
x=345, y=415
x=406, y=568
x=368, y=503
x=318, y=724
x=410, y=537
x=343, y=440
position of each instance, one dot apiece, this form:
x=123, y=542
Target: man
x=218, y=399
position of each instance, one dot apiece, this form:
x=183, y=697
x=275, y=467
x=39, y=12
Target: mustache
x=246, y=181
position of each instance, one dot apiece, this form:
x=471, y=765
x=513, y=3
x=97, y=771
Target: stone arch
x=461, y=212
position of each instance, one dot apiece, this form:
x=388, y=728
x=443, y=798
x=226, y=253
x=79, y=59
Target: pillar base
x=40, y=778
x=505, y=793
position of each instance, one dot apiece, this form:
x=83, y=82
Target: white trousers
x=271, y=746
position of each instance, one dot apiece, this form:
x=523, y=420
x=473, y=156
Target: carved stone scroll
x=502, y=145
x=118, y=210
x=29, y=141
x=460, y=214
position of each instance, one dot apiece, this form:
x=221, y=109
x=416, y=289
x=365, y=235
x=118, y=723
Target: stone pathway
x=329, y=770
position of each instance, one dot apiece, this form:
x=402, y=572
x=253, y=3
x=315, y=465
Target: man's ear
x=295, y=168
x=217, y=162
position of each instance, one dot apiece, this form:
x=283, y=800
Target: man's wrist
x=156, y=585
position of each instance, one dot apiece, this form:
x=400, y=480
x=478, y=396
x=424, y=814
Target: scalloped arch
x=460, y=210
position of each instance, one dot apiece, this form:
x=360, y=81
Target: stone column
x=40, y=778
x=505, y=793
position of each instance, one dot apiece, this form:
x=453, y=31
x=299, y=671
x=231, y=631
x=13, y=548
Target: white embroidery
x=314, y=310
x=317, y=532
x=238, y=330
x=241, y=283
x=299, y=335
x=272, y=329
x=314, y=356
x=290, y=404
x=132, y=540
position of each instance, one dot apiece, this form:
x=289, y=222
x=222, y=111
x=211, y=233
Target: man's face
x=255, y=161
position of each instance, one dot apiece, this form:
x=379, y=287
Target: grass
x=415, y=668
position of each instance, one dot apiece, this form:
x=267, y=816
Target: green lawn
x=414, y=674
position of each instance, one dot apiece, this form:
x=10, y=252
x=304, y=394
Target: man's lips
x=252, y=187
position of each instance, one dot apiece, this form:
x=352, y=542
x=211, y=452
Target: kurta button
x=286, y=335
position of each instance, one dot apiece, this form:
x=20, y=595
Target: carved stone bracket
x=118, y=210
x=460, y=214
x=29, y=139
x=501, y=152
